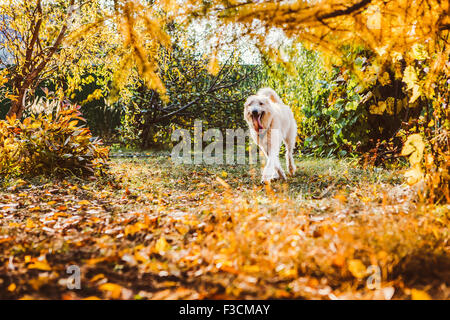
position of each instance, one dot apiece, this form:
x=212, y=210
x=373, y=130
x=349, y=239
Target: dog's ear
x=272, y=98
x=271, y=94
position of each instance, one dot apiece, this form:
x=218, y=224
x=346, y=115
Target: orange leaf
x=40, y=265
x=114, y=289
x=357, y=268
x=161, y=245
x=92, y=298
x=97, y=277
x=419, y=295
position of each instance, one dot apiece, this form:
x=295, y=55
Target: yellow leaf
x=12, y=287
x=224, y=174
x=94, y=261
x=357, y=268
x=416, y=93
x=161, y=246
x=414, y=175
x=419, y=295
x=385, y=79
x=413, y=148
x=114, y=289
x=11, y=119
x=288, y=273
x=73, y=124
x=97, y=277
x=92, y=298
x=378, y=108
x=30, y=224
x=84, y=203
x=40, y=265
x=134, y=228
x=251, y=269
x=35, y=125
x=341, y=197
x=410, y=77
x=418, y=52
x=222, y=182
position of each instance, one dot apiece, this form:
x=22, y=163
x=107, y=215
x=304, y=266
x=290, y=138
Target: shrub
x=50, y=144
x=193, y=91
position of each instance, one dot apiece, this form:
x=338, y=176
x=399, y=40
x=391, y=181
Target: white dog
x=271, y=122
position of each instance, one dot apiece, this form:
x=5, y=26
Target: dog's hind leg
x=289, y=142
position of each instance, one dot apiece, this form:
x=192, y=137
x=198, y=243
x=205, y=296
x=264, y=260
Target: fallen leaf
x=40, y=265
x=357, y=268
x=419, y=295
x=161, y=246
x=114, y=289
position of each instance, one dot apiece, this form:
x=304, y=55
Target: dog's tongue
x=257, y=123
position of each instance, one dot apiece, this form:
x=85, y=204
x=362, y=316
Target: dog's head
x=258, y=112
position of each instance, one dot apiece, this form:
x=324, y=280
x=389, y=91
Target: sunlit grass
x=152, y=229
x=321, y=233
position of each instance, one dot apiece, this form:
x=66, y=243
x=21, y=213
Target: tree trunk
x=17, y=106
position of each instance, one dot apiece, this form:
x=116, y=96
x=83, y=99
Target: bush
x=50, y=144
x=193, y=91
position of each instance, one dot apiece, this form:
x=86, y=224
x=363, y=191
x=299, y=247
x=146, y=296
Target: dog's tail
x=271, y=94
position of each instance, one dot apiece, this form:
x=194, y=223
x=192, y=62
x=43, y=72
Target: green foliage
x=192, y=93
x=302, y=84
x=50, y=144
x=329, y=116
x=354, y=107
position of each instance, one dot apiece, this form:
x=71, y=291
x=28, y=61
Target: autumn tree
x=35, y=44
x=193, y=93
x=61, y=41
x=407, y=41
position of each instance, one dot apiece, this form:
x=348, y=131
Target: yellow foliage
x=113, y=289
x=43, y=144
x=413, y=148
x=419, y=295
x=378, y=108
x=161, y=246
x=40, y=265
x=357, y=268
x=414, y=174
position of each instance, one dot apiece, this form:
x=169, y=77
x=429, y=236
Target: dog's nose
x=255, y=112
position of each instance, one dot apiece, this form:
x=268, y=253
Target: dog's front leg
x=273, y=169
x=269, y=171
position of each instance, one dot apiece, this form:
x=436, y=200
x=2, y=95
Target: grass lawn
x=155, y=230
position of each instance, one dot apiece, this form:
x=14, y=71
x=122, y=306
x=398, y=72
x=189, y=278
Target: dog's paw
x=281, y=173
x=267, y=177
x=292, y=169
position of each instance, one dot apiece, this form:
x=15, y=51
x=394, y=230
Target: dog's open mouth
x=257, y=124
